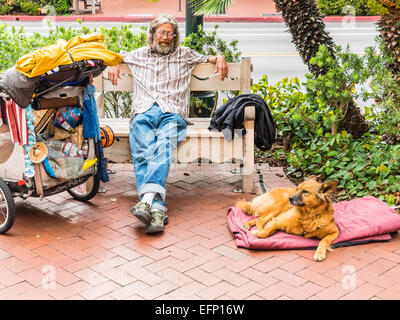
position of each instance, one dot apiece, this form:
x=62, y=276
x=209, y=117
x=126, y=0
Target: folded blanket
x=359, y=221
x=16, y=118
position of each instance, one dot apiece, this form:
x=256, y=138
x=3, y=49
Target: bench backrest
x=239, y=78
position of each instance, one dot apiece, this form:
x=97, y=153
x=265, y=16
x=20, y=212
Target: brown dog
x=306, y=210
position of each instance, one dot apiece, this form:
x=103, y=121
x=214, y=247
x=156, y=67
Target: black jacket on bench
x=230, y=116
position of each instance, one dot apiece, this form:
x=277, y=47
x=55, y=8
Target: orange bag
x=107, y=136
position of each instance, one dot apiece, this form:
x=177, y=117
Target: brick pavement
x=59, y=248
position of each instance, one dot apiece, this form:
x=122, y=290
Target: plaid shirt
x=164, y=79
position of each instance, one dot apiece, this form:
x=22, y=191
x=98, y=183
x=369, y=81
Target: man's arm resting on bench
x=221, y=66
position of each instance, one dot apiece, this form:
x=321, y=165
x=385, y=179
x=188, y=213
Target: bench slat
x=202, y=70
x=120, y=127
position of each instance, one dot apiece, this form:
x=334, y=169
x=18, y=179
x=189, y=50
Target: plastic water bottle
x=68, y=148
x=85, y=148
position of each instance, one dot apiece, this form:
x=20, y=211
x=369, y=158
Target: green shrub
x=376, y=8
x=366, y=166
x=14, y=44
x=61, y=6
x=384, y=90
x=35, y=7
x=29, y=7
x=306, y=113
x=5, y=9
x=19, y=7
x=350, y=7
x=210, y=44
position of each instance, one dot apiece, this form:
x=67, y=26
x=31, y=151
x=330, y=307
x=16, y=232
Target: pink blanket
x=359, y=221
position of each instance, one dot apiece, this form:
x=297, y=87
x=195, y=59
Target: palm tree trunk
x=389, y=32
x=306, y=25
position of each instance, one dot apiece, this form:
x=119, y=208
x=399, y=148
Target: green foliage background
x=33, y=7
x=351, y=7
x=305, y=114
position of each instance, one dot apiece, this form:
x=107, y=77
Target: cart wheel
x=7, y=207
x=86, y=190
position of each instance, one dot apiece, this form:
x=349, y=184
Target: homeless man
x=161, y=77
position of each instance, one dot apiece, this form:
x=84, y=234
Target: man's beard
x=158, y=48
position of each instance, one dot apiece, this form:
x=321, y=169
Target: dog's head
x=312, y=193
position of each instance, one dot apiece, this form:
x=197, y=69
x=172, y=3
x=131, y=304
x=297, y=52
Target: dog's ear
x=329, y=187
x=313, y=177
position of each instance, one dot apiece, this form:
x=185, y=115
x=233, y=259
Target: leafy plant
x=61, y=7
x=335, y=90
x=384, y=90
x=376, y=8
x=210, y=44
x=211, y=6
x=305, y=116
x=349, y=7
x=285, y=101
x=16, y=43
x=35, y=7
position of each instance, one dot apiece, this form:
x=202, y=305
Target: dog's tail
x=245, y=206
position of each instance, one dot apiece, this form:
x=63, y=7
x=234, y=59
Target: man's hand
x=221, y=66
x=114, y=74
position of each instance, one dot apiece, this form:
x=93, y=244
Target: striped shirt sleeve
x=126, y=56
x=193, y=57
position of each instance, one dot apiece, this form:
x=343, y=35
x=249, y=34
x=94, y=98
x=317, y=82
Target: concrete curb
x=138, y=19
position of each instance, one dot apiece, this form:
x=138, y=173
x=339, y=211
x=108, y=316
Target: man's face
x=164, y=34
x=164, y=38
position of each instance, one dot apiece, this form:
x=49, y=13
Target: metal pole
x=180, y=6
x=192, y=21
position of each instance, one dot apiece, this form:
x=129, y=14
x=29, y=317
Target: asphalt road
x=268, y=44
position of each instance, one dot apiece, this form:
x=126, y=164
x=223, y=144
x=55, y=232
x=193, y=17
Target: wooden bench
x=86, y=3
x=199, y=141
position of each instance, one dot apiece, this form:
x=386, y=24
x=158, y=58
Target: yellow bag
x=79, y=47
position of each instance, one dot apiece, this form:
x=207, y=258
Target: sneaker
x=142, y=211
x=159, y=220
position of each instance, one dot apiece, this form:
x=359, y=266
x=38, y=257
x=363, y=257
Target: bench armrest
x=250, y=113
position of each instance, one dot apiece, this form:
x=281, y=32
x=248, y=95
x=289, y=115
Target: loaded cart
x=50, y=138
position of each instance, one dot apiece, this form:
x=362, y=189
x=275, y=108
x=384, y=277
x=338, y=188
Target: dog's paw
x=319, y=256
x=246, y=226
x=255, y=232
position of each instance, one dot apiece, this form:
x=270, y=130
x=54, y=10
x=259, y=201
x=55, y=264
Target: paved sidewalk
x=98, y=250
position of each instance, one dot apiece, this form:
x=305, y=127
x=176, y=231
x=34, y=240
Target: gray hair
x=163, y=18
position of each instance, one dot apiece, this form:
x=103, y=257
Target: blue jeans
x=153, y=137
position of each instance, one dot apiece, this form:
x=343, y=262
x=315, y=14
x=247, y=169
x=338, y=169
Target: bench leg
x=248, y=184
x=248, y=158
x=248, y=179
